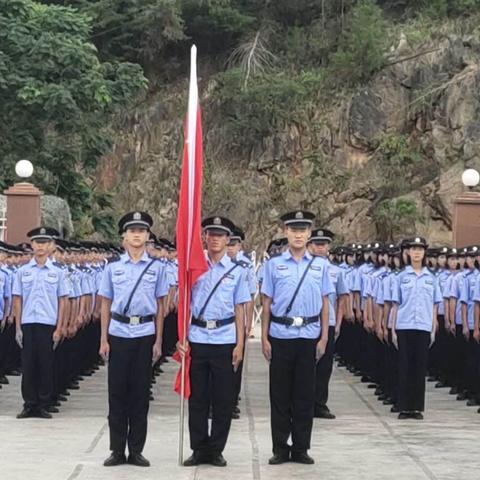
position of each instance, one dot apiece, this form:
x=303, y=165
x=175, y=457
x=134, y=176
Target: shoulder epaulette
x=58, y=264
x=241, y=263
x=113, y=259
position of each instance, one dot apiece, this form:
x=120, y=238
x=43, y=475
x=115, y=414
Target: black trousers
x=461, y=347
x=292, y=393
x=212, y=382
x=38, y=365
x=324, y=370
x=413, y=362
x=129, y=374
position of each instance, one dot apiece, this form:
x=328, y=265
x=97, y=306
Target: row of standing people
x=308, y=302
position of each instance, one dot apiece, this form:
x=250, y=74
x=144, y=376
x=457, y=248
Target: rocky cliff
x=407, y=135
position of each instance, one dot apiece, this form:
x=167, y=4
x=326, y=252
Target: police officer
x=319, y=245
x=295, y=289
x=216, y=338
x=132, y=288
x=39, y=292
x=415, y=296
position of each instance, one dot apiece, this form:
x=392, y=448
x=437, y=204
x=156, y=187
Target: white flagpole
x=190, y=145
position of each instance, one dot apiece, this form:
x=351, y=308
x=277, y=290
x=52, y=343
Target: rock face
x=55, y=213
x=329, y=162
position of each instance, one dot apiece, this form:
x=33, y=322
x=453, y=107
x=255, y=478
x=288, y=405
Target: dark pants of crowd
x=38, y=365
x=212, y=382
x=170, y=334
x=10, y=354
x=460, y=359
x=413, y=361
x=292, y=393
x=324, y=370
x=391, y=382
x=473, y=363
x=129, y=375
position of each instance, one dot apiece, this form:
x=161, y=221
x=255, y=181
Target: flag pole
x=190, y=146
x=182, y=383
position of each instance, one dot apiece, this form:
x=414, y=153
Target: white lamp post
x=470, y=178
x=24, y=168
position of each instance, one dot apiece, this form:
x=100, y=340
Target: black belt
x=212, y=324
x=133, y=320
x=295, y=321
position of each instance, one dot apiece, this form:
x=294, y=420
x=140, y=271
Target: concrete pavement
x=364, y=442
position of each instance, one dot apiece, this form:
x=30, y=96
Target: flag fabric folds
x=191, y=258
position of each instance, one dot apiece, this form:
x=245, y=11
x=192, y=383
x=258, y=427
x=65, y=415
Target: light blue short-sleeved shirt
x=442, y=282
x=416, y=296
x=232, y=291
x=467, y=295
x=337, y=277
x=40, y=287
x=5, y=291
x=251, y=277
x=456, y=288
x=118, y=281
x=281, y=277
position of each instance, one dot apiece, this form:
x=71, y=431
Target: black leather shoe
x=382, y=397
x=278, y=459
x=404, y=415
x=235, y=416
x=25, y=413
x=74, y=386
x=62, y=398
x=138, y=460
x=461, y=397
x=440, y=385
x=195, y=459
x=42, y=413
x=472, y=403
x=388, y=401
x=15, y=373
x=218, y=460
x=323, y=413
x=236, y=410
x=115, y=459
x=453, y=391
x=417, y=415
x=4, y=380
x=51, y=409
x=302, y=457
x=394, y=409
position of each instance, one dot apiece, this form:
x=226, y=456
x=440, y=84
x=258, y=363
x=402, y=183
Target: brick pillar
x=466, y=220
x=23, y=211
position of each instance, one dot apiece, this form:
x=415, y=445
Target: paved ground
x=365, y=442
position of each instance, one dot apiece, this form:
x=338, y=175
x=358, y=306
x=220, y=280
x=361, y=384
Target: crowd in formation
x=392, y=314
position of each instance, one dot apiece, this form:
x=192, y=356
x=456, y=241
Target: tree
x=395, y=218
x=363, y=44
x=57, y=98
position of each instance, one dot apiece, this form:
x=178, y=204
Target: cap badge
x=320, y=233
x=417, y=240
x=217, y=221
x=43, y=231
x=299, y=215
x=137, y=216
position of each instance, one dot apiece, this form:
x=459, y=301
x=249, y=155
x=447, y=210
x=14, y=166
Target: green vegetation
x=69, y=67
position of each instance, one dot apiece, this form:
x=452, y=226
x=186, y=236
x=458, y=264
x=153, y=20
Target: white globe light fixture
x=24, y=168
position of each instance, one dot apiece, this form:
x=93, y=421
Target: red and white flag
x=191, y=258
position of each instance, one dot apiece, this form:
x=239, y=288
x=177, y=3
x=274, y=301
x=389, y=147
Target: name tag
x=282, y=267
x=119, y=272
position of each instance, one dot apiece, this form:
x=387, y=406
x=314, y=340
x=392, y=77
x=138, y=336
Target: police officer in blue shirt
x=216, y=339
x=415, y=297
x=132, y=288
x=318, y=245
x=235, y=252
x=295, y=289
x=39, y=293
